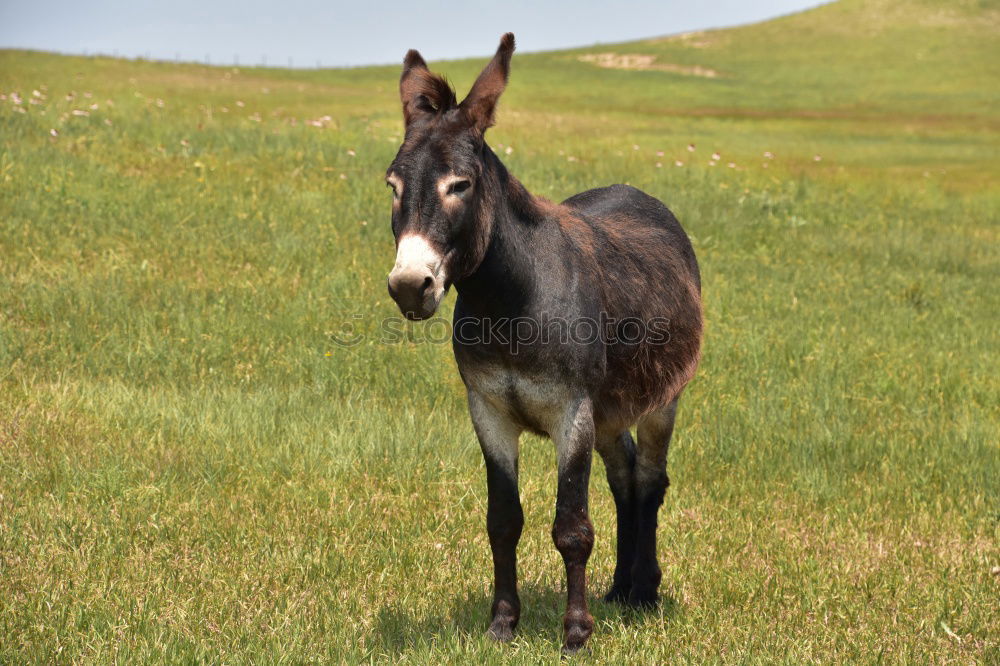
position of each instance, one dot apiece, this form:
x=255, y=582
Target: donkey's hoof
x=643, y=598
x=618, y=594
x=581, y=651
x=505, y=615
x=501, y=629
x=577, y=628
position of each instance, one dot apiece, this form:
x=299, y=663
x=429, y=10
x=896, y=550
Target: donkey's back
x=639, y=216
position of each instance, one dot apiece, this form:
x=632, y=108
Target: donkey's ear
x=481, y=103
x=421, y=91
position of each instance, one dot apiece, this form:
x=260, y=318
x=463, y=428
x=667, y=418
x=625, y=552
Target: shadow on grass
x=465, y=619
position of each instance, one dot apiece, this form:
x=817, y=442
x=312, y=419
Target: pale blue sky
x=341, y=33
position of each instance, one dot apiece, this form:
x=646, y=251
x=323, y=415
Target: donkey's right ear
x=421, y=91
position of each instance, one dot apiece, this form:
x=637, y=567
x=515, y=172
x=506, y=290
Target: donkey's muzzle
x=415, y=292
x=416, y=282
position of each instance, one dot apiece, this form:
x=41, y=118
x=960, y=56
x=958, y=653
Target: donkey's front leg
x=572, y=532
x=504, y=519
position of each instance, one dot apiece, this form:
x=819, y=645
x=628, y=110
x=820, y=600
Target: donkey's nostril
x=428, y=281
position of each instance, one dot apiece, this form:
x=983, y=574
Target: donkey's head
x=440, y=198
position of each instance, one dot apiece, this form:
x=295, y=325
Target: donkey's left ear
x=422, y=92
x=481, y=103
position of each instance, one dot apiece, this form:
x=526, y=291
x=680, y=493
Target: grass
x=191, y=469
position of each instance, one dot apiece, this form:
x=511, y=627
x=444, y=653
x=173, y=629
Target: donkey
x=609, y=270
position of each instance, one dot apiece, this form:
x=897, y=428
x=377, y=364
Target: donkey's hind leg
x=618, y=452
x=651, y=483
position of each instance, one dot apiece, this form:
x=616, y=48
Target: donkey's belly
x=535, y=401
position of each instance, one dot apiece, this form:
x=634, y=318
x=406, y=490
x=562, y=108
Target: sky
x=307, y=33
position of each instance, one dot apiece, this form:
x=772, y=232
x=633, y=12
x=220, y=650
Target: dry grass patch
x=645, y=62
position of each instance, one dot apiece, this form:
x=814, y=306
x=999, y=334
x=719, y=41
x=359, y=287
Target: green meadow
x=194, y=469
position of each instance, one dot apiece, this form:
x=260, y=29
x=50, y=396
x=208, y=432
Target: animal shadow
x=399, y=628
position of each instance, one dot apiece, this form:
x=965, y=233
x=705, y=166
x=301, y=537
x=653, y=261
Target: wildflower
x=224, y=109
x=185, y=143
x=764, y=164
x=15, y=98
x=659, y=165
x=159, y=103
x=240, y=104
x=678, y=163
x=571, y=159
x=690, y=147
x=80, y=112
x=3, y=97
x=88, y=95
x=716, y=156
x=659, y=153
x=94, y=107
x=33, y=101
x=731, y=165
x=107, y=121
x=70, y=97
x=768, y=154
x=343, y=176
x=817, y=158
x=350, y=151
x=635, y=146
x=36, y=93
x=53, y=132
x=508, y=150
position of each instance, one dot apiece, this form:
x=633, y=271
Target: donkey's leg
x=504, y=519
x=618, y=452
x=651, y=483
x=572, y=531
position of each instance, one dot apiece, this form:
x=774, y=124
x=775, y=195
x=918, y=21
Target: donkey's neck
x=503, y=282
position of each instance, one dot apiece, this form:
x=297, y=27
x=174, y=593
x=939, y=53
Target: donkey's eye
x=459, y=187
x=392, y=187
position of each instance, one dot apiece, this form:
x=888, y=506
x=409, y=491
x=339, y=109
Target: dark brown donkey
x=575, y=320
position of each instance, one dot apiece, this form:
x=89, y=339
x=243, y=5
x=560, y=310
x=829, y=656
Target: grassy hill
x=192, y=468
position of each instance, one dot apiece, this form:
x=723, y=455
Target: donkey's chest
x=534, y=400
